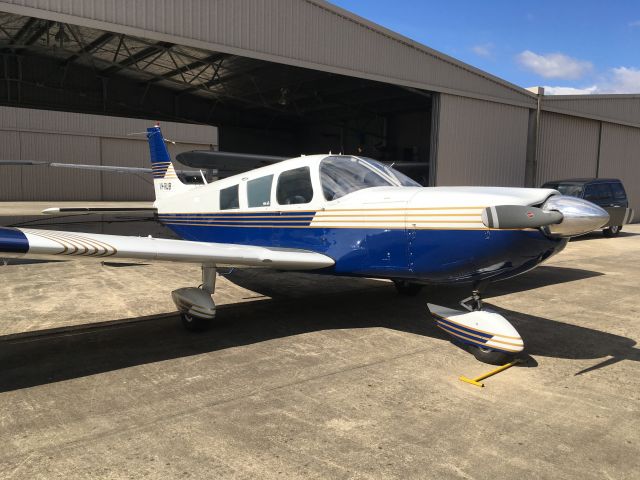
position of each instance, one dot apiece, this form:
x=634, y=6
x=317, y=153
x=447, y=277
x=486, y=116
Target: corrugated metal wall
x=98, y=125
x=481, y=143
x=27, y=134
x=620, y=158
x=624, y=108
x=567, y=147
x=308, y=33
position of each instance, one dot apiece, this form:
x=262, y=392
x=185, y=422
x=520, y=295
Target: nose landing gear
x=484, y=333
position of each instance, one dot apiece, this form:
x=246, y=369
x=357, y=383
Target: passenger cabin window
x=342, y=175
x=259, y=191
x=294, y=187
x=229, y=198
x=598, y=193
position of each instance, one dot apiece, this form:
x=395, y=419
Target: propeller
x=519, y=216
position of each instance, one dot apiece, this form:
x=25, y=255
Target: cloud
x=634, y=24
x=616, y=80
x=554, y=65
x=570, y=90
x=623, y=80
x=483, y=50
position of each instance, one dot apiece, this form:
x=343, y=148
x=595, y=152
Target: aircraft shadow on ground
x=32, y=361
x=598, y=234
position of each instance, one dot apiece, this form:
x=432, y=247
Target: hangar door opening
x=259, y=106
x=319, y=112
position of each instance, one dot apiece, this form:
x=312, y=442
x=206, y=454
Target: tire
x=407, y=289
x=612, y=231
x=492, y=357
x=193, y=323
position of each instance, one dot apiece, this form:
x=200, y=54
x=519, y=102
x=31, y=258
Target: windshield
x=341, y=175
x=571, y=189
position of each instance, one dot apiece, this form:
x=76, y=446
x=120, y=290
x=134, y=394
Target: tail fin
x=165, y=180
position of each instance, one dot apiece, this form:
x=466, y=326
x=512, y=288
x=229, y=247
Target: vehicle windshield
x=570, y=189
x=340, y=175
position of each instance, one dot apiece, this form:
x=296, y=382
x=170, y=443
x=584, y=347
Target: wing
x=30, y=243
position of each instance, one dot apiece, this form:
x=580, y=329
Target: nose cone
x=579, y=216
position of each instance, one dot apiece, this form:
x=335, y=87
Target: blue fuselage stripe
x=430, y=256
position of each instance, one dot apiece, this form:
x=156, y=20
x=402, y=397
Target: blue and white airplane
x=341, y=215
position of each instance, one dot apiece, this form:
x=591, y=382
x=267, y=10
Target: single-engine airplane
x=341, y=215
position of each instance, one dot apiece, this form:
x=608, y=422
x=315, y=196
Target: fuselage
x=425, y=234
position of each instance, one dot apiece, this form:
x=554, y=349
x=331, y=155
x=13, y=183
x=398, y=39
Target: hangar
x=287, y=77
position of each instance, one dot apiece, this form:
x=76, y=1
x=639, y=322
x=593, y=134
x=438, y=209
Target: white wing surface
x=30, y=243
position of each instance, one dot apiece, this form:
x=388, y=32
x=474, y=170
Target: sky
x=567, y=46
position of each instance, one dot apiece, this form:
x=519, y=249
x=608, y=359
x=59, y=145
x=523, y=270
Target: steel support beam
x=90, y=47
x=17, y=38
x=137, y=57
x=216, y=57
x=38, y=32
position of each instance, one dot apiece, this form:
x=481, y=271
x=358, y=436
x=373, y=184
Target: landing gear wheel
x=407, y=289
x=612, y=231
x=492, y=357
x=193, y=323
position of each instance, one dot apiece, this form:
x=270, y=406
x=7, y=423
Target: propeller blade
x=518, y=216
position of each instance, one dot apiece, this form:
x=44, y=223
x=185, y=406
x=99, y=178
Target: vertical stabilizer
x=165, y=180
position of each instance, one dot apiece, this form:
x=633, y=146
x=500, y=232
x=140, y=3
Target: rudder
x=165, y=179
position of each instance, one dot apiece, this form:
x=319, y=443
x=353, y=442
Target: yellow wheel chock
x=477, y=381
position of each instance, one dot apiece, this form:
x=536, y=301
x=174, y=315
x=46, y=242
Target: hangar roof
x=304, y=33
x=619, y=108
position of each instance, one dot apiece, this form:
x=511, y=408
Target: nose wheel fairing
x=481, y=328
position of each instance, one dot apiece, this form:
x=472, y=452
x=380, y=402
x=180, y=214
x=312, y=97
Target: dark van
x=607, y=193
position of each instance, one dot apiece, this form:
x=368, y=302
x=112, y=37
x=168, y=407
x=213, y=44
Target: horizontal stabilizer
x=138, y=212
x=226, y=163
x=518, y=216
x=99, y=168
x=27, y=209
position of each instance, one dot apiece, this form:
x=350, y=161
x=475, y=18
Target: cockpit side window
x=294, y=187
x=229, y=198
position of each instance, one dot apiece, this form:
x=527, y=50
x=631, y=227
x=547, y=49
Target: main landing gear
x=486, y=334
x=195, y=304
